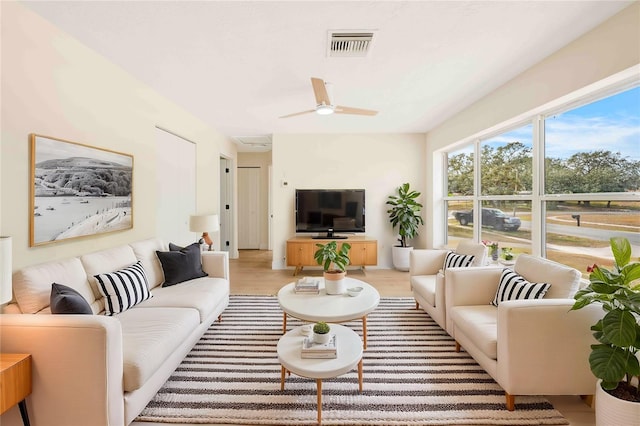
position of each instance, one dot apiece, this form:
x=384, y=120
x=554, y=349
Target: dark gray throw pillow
x=65, y=300
x=181, y=264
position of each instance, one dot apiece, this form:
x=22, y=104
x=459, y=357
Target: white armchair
x=427, y=278
x=529, y=347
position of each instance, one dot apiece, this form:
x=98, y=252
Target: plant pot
x=612, y=411
x=321, y=338
x=400, y=257
x=334, y=282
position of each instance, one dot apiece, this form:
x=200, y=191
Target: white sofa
x=529, y=347
x=427, y=277
x=103, y=370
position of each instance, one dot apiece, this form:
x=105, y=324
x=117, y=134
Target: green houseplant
x=321, y=332
x=334, y=262
x=404, y=213
x=614, y=360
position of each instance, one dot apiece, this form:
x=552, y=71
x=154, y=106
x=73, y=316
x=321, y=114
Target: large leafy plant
x=328, y=254
x=614, y=360
x=405, y=213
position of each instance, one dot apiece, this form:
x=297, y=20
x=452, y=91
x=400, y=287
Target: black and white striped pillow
x=514, y=287
x=453, y=260
x=124, y=288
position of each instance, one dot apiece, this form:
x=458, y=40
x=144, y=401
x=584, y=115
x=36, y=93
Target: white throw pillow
x=453, y=260
x=514, y=287
x=124, y=288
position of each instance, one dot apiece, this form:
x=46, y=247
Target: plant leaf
x=621, y=249
x=619, y=327
x=608, y=363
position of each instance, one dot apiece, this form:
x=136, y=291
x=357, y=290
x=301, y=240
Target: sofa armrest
x=216, y=264
x=544, y=347
x=426, y=261
x=76, y=367
x=474, y=285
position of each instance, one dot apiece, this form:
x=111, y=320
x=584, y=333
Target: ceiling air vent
x=349, y=43
x=257, y=142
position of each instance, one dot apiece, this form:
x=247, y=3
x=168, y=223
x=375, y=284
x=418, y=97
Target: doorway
x=249, y=194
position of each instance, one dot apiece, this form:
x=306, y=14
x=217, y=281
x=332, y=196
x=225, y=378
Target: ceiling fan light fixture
x=325, y=109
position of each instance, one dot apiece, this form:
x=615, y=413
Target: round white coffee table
x=348, y=357
x=329, y=307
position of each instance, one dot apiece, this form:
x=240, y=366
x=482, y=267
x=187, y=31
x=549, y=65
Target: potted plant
x=405, y=214
x=334, y=262
x=614, y=360
x=321, y=332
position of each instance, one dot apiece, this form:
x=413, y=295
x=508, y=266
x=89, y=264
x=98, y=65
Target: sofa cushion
x=149, y=337
x=65, y=300
x=104, y=261
x=181, y=264
x=564, y=280
x=514, y=287
x=123, y=289
x=204, y=294
x=145, y=252
x=480, y=324
x=32, y=284
x=453, y=260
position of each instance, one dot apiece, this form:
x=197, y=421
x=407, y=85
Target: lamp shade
x=204, y=223
x=5, y=270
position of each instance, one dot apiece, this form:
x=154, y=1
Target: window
x=592, y=169
x=566, y=202
x=505, y=162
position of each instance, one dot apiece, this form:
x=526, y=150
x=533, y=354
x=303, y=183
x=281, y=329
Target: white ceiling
x=239, y=65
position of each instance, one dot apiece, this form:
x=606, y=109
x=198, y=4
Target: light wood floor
x=252, y=274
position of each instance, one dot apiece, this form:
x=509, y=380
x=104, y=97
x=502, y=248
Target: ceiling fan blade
x=298, y=113
x=320, y=90
x=358, y=111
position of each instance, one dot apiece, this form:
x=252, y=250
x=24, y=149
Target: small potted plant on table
x=321, y=332
x=615, y=359
x=334, y=262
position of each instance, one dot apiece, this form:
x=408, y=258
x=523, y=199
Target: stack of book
x=307, y=285
x=311, y=349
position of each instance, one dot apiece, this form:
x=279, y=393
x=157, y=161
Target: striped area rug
x=412, y=376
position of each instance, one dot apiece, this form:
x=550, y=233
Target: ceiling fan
x=324, y=105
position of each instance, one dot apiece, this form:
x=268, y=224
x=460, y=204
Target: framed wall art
x=77, y=190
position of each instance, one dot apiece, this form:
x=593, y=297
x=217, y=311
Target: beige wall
x=263, y=161
x=379, y=163
x=53, y=85
x=610, y=48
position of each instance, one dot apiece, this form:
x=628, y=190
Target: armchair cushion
x=564, y=280
x=514, y=287
x=453, y=260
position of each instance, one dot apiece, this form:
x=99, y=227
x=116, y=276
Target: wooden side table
x=15, y=383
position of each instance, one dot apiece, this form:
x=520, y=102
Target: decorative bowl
x=354, y=291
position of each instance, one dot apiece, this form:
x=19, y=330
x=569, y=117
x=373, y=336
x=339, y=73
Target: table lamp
x=205, y=224
x=6, y=293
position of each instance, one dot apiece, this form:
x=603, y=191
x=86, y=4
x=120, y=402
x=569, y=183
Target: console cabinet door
x=300, y=254
x=363, y=253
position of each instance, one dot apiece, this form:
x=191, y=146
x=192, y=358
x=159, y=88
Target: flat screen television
x=329, y=211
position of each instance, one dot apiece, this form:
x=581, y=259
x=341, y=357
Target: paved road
x=586, y=232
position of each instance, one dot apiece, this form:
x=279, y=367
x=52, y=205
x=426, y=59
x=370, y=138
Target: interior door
x=248, y=207
x=175, y=187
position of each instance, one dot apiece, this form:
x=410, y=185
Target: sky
x=612, y=124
